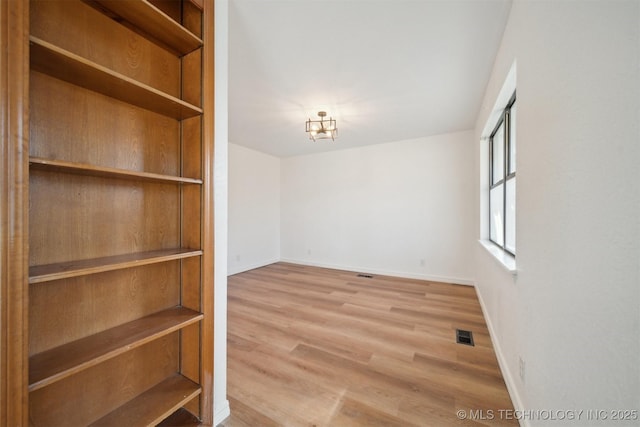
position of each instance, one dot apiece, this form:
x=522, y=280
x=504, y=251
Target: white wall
x=220, y=403
x=573, y=312
x=404, y=208
x=254, y=209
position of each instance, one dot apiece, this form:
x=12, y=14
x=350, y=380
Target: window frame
x=505, y=118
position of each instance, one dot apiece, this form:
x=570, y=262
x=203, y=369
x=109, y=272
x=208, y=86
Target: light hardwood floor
x=316, y=347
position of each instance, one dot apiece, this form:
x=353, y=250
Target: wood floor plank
x=353, y=414
x=280, y=393
x=309, y=346
x=246, y=416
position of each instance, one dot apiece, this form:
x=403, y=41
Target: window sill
x=504, y=259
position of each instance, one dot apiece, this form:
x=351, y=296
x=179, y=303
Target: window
x=502, y=180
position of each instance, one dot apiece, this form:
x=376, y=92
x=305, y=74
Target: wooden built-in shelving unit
x=117, y=202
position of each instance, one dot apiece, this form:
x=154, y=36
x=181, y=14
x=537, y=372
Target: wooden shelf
x=99, y=171
x=63, y=270
x=53, y=365
x=154, y=405
x=181, y=418
x=61, y=64
x=152, y=21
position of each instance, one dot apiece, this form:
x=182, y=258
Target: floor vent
x=367, y=276
x=464, y=337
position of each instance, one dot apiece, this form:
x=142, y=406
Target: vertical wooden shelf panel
x=120, y=212
x=14, y=127
x=192, y=205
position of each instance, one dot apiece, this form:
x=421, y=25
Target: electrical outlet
x=422, y=262
x=238, y=258
x=308, y=251
x=521, y=368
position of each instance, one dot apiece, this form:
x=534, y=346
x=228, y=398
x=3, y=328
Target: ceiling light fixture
x=322, y=129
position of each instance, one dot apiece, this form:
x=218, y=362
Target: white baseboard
x=239, y=269
x=427, y=277
x=222, y=412
x=502, y=362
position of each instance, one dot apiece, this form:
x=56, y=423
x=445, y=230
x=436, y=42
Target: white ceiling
x=386, y=70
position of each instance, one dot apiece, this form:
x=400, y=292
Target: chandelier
x=322, y=129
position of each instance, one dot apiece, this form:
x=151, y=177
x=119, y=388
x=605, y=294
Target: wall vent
x=464, y=337
x=366, y=276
